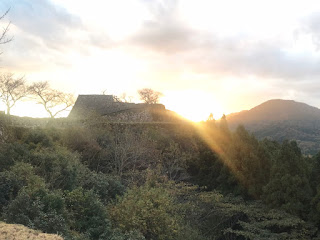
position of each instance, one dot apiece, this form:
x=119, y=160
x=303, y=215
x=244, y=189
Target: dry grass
x=20, y=232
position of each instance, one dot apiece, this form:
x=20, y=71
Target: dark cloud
x=165, y=32
x=166, y=37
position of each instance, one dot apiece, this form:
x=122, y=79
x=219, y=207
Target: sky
x=205, y=56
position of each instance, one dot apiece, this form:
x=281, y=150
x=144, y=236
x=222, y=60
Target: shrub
x=87, y=214
x=149, y=210
x=38, y=137
x=38, y=210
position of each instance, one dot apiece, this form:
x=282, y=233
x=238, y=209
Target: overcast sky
x=226, y=55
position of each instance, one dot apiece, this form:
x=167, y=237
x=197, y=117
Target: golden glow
x=193, y=105
x=112, y=70
x=32, y=109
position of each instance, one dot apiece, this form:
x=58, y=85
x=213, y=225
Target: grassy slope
x=19, y=232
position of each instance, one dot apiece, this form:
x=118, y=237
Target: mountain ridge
x=280, y=119
x=276, y=110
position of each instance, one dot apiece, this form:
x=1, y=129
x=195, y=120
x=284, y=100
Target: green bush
x=87, y=215
x=11, y=153
x=38, y=137
x=10, y=185
x=60, y=168
x=149, y=210
x=106, y=187
x=38, y=210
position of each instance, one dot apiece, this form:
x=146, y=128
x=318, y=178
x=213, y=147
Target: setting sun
x=193, y=105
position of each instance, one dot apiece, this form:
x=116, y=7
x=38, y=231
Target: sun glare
x=193, y=105
x=32, y=109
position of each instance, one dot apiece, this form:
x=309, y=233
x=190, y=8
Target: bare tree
x=149, y=96
x=12, y=90
x=4, y=34
x=116, y=98
x=52, y=100
x=132, y=151
x=174, y=161
x=125, y=98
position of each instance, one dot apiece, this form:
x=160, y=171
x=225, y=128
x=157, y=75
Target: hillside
x=20, y=232
x=154, y=181
x=282, y=119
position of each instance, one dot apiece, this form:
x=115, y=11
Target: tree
x=224, y=126
x=52, y=100
x=3, y=35
x=149, y=96
x=289, y=187
x=131, y=150
x=12, y=90
x=211, y=118
x=151, y=210
x=87, y=214
x=249, y=162
x=125, y=98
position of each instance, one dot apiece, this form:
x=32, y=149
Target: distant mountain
x=282, y=119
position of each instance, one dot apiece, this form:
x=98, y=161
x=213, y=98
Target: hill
x=282, y=119
x=20, y=232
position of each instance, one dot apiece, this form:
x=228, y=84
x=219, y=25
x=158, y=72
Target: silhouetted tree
x=211, y=121
x=211, y=118
x=125, y=98
x=12, y=90
x=4, y=34
x=149, y=96
x=224, y=126
x=225, y=133
x=116, y=98
x=52, y=100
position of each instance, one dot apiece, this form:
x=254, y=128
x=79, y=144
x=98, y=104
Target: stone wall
x=88, y=105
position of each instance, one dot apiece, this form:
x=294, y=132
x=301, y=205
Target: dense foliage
x=153, y=181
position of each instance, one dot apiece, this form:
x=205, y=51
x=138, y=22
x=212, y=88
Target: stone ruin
x=87, y=106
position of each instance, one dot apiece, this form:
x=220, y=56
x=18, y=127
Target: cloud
x=239, y=55
x=311, y=25
x=43, y=20
x=166, y=37
x=44, y=33
x=262, y=59
x=100, y=40
x=166, y=32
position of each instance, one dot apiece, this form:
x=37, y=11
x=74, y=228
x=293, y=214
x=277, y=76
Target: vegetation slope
x=157, y=181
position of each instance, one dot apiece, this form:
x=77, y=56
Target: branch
x=4, y=14
x=51, y=98
x=3, y=35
